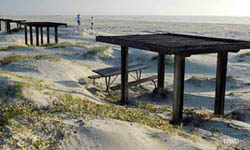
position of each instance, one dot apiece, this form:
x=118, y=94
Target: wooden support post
x=0, y=25
x=8, y=27
x=221, y=77
x=56, y=34
x=124, y=75
x=26, y=34
x=41, y=30
x=37, y=36
x=20, y=25
x=31, y=36
x=161, y=70
x=48, y=40
x=179, y=74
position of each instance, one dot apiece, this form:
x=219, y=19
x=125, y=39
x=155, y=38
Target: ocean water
x=223, y=27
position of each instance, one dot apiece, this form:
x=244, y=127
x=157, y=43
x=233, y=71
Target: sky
x=126, y=7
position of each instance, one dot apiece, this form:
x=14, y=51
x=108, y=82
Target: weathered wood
x=37, y=36
x=31, y=36
x=179, y=74
x=134, y=83
x=221, y=77
x=48, y=36
x=56, y=35
x=176, y=44
x=41, y=31
x=5, y=27
x=26, y=34
x=95, y=77
x=45, y=24
x=8, y=27
x=124, y=75
x=161, y=70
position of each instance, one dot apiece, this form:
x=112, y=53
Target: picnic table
x=181, y=46
x=110, y=72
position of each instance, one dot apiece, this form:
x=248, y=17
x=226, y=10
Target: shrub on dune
x=12, y=47
x=14, y=58
x=102, y=52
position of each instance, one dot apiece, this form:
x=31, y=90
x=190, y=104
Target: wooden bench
x=134, y=83
x=94, y=77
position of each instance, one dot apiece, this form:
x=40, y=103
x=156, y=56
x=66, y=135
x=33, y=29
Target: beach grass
x=12, y=47
x=66, y=45
x=14, y=58
x=100, y=51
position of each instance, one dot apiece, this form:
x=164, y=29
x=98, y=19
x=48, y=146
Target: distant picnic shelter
x=8, y=24
x=181, y=46
x=39, y=26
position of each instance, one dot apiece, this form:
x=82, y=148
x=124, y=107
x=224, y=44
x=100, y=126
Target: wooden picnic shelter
x=8, y=24
x=39, y=26
x=181, y=46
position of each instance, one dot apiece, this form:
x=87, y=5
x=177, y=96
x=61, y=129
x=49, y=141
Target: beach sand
x=64, y=73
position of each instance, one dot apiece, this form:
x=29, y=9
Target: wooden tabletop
x=111, y=71
x=170, y=43
x=45, y=24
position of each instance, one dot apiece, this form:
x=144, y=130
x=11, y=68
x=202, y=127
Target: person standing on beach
x=91, y=21
x=78, y=20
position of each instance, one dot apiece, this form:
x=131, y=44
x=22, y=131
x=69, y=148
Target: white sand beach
x=53, y=105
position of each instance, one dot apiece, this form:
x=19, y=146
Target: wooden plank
x=124, y=75
x=48, y=36
x=31, y=36
x=94, y=77
x=134, y=83
x=179, y=74
x=45, y=24
x=37, y=36
x=161, y=70
x=221, y=77
x=56, y=35
x=41, y=31
x=26, y=34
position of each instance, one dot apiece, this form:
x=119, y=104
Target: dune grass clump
x=28, y=117
x=101, y=52
x=14, y=58
x=7, y=110
x=84, y=107
x=3, y=37
x=65, y=45
x=12, y=47
x=13, y=90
